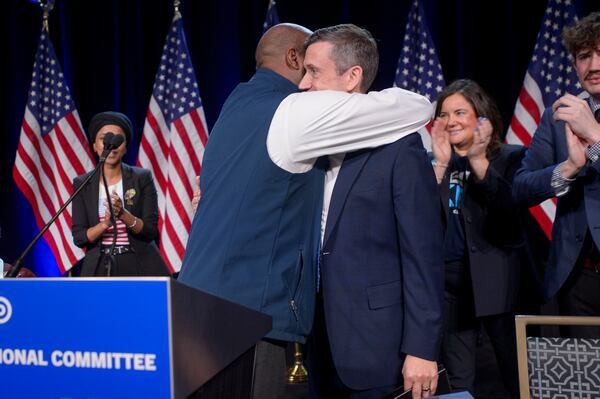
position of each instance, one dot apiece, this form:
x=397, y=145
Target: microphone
x=597, y=115
x=106, y=140
x=116, y=141
x=110, y=141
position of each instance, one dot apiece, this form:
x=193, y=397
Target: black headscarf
x=110, y=118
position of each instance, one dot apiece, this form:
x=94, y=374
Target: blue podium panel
x=85, y=338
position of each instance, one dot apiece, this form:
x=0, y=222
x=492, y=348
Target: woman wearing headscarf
x=134, y=201
x=484, y=243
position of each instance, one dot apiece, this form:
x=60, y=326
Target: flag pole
x=18, y=265
x=14, y=271
x=185, y=126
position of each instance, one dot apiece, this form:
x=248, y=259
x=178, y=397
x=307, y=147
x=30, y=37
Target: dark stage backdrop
x=110, y=50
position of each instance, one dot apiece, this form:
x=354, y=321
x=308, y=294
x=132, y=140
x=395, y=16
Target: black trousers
x=580, y=296
x=461, y=332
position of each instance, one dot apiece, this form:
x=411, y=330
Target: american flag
x=549, y=76
x=173, y=143
x=52, y=151
x=419, y=69
x=272, y=17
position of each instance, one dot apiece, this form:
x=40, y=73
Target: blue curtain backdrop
x=110, y=54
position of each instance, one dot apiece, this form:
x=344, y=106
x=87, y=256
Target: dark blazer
x=576, y=211
x=494, y=238
x=144, y=206
x=382, y=266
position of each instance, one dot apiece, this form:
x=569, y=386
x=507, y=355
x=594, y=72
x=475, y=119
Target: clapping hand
x=440, y=142
x=117, y=206
x=116, y=203
x=577, y=156
x=576, y=113
x=581, y=131
x=482, y=135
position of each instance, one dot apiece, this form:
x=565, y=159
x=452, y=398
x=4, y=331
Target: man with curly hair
x=562, y=161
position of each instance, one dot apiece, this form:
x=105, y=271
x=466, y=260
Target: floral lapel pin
x=129, y=194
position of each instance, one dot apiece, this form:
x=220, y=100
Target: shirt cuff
x=559, y=183
x=593, y=152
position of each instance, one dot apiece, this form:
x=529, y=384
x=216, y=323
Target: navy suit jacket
x=576, y=211
x=382, y=268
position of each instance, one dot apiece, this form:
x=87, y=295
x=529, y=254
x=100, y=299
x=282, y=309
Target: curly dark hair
x=584, y=34
x=481, y=102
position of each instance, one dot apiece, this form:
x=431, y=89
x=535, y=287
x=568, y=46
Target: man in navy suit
x=378, y=321
x=562, y=161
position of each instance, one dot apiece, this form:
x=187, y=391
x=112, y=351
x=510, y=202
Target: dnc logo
x=5, y=310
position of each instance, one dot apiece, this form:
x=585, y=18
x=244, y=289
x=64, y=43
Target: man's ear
x=354, y=77
x=292, y=59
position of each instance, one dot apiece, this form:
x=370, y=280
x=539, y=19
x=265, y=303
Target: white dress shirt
x=312, y=124
x=335, y=163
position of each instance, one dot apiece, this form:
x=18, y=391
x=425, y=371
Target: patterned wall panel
x=564, y=368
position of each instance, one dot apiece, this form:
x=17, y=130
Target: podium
x=117, y=337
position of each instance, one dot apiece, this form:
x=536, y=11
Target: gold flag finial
x=46, y=8
x=176, y=4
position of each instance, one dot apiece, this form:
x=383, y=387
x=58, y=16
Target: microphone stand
x=18, y=265
x=113, y=221
x=111, y=141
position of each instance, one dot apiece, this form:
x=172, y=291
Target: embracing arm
x=311, y=124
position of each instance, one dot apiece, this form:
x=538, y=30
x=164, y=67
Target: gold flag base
x=297, y=374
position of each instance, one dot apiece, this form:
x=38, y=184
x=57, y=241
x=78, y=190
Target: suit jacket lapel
x=351, y=167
